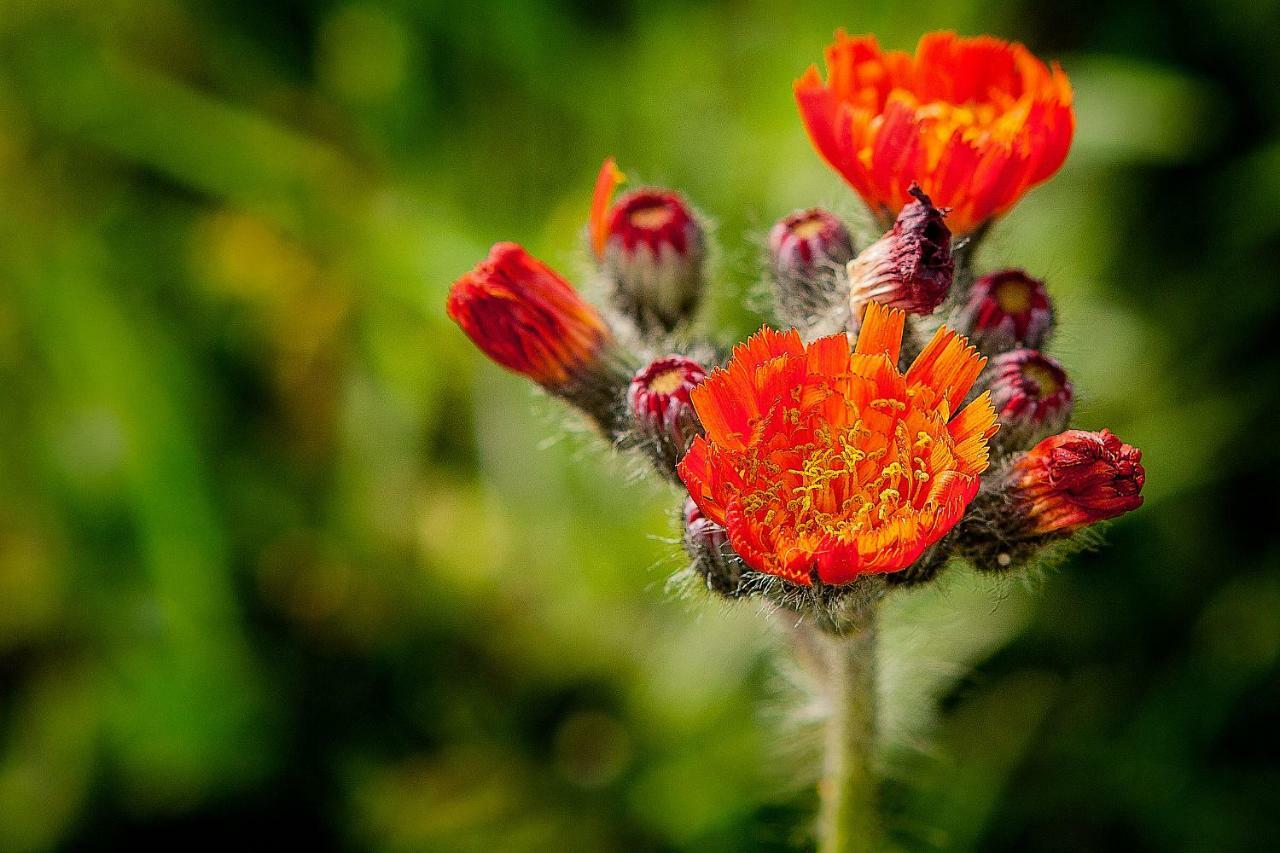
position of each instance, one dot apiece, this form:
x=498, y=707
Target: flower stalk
x=848, y=818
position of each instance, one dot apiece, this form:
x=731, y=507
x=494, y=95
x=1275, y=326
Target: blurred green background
x=284, y=560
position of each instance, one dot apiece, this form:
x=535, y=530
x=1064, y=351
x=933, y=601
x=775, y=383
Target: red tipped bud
x=652, y=253
x=527, y=318
x=1031, y=394
x=910, y=267
x=707, y=544
x=808, y=251
x=658, y=400
x=1006, y=309
x=1074, y=479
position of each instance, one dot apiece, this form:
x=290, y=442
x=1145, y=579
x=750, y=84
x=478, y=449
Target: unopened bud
x=651, y=249
x=910, y=267
x=1007, y=309
x=707, y=544
x=662, y=414
x=808, y=252
x=1074, y=479
x=1031, y=394
x=528, y=319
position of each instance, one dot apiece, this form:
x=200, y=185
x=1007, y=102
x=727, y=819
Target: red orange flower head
x=1005, y=309
x=824, y=462
x=976, y=121
x=910, y=267
x=527, y=318
x=1077, y=478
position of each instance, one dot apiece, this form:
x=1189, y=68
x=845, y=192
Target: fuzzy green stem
x=848, y=819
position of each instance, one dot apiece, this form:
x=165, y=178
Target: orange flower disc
x=822, y=461
x=976, y=121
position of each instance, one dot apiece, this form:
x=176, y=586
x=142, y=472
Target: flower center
x=667, y=382
x=651, y=216
x=1043, y=377
x=850, y=483
x=807, y=228
x=1013, y=297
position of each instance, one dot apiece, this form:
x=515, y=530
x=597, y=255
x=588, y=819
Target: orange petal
x=698, y=475
x=881, y=331
x=829, y=356
x=948, y=365
x=970, y=430
x=598, y=222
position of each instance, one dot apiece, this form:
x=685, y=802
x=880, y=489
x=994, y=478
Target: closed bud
x=1074, y=479
x=1031, y=394
x=808, y=252
x=707, y=544
x=910, y=267
x=528, y=319
x=650, y=249
x=1007, y=309
x=660, y=409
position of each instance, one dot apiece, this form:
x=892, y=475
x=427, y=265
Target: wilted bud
x=663, y=416
x=1031, y=394
x=527, y=318
x=808, y=251
x=1074, y=479
x=650, y=249
x=910, y=267
x=708, y=546
x=1007, y=309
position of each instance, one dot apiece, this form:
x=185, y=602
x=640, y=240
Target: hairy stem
x=848, y=819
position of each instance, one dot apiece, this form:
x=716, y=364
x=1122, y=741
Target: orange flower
x=975, y=121
x=819, y=459
x=527, y=318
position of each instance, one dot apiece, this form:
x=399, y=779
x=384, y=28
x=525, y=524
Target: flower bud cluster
x=849, y=453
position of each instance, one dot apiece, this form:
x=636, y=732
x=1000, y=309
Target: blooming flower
x=651, y=249
x=1075, y=479
x=527, y=318
x=818, y=460
x=976, y=121
x=658, y=400
x=1005, y=309
x=1031, y=394
x=910, y=267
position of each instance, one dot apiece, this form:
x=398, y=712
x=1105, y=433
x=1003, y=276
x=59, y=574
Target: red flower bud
x=707, y=544
x=910, y=267
x=1074, y=479
x=808, y=251
x=1031, y=394
x=658, y=400
x=527, y=318
x=1006, y=309
x=652, y=254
